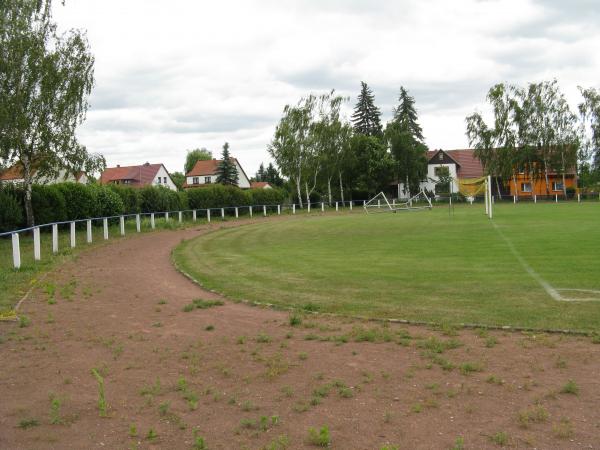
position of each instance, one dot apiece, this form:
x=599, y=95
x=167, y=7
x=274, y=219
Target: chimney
x=118, y=165
x=147, y=163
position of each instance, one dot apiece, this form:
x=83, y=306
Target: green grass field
x=425, y=266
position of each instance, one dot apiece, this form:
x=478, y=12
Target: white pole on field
x=250, y=209
x=16, y=248
x=487, y=207
x=556, y=198
x=514, y=199
x=294, y=208
x=105, y=226
x=194, y=215
x=535, y=198
x=138, y=225
x=236, y=212
x=89, y=231
x=336, y=206
x=180, y=217
x=73, y=240
x=208, y=215
x=308, y=206
x=152, y=223
x=122, y=225
x=167, y=216
x=37, y=253
x=351, y=205
x=265, y=210
x=278, y=210
x=490, y=201
x=578, y=198
x=322, y=206
x=55, y=238
x=223, y=213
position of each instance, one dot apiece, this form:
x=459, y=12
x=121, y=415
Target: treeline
x=534, y=131
x=72, y=201
x=321, y=152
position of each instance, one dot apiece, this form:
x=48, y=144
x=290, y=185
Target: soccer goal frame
x=375, y=204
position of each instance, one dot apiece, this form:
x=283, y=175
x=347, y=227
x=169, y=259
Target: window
x=441, y=171
x=195, y=180
x=158, y=180
x=165, y=180
x=557, y=186
x=526, y=187
x=207, y=180
x=440, y=156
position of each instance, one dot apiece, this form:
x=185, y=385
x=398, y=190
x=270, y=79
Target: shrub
x=217, y=196
x=79, y=200
x=107, y=202
x=48, y=204
x=267, y=196
x=11, y=212
x=129, y=197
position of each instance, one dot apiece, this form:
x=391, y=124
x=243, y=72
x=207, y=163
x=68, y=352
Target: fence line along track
x=209, y=214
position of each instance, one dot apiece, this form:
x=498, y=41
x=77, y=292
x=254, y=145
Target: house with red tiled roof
x=205, y=173
x=138, y=176
x=14, y=174
x=459, y=164
x=260, y=185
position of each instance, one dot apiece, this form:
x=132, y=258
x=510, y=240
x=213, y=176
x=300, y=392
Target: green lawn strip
x=425, y=266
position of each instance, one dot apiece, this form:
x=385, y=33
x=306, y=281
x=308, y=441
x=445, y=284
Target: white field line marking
x=551, y=291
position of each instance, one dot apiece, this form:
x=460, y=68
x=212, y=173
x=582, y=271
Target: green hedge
x=72, y=201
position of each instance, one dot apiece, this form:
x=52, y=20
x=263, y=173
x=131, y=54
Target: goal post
x=473, y=188
x=380, y=203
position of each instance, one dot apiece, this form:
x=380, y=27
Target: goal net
x=380, y=203
x=474, y=187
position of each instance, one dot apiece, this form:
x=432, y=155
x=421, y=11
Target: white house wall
x=162, y=174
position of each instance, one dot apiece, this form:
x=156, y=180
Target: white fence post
x=365, y=202
x=223, y=213
x=337, y=206
x=55, y=238
x=194, y=215
x=322, y=206
x=278, y=210
x=16, y=248
x=535, y=198
x=73, y=236
x=105, y=226
x=556, y=198
x=152, y=222
x=236, y=212
x=578, y=198
x=351, y=205
x=138, y=224
x=265, y=210
x=89, y=231
x=208, y=215
x=293, y=208
x=378, y=203
x=37, y=252
x=250, y=209
x=180, y=217
x=167, y=216
x=308, y=206
x=122, y=225
x=514, y=199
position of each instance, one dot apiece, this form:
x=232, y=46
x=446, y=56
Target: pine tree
x=260, y=174
x=367, y=117
x=406, y=115
x=227, y=171
x=272, y=176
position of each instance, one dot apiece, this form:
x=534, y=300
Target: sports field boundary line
x=277, y=307
x=550, y=290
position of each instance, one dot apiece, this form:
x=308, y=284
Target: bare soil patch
x=245, y=378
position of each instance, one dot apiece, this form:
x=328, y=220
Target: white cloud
x=175, y=75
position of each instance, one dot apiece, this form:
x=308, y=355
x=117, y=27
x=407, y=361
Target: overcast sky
x=175, y=75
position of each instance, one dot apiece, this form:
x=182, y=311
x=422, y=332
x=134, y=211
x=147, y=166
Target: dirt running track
x=244, y=378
